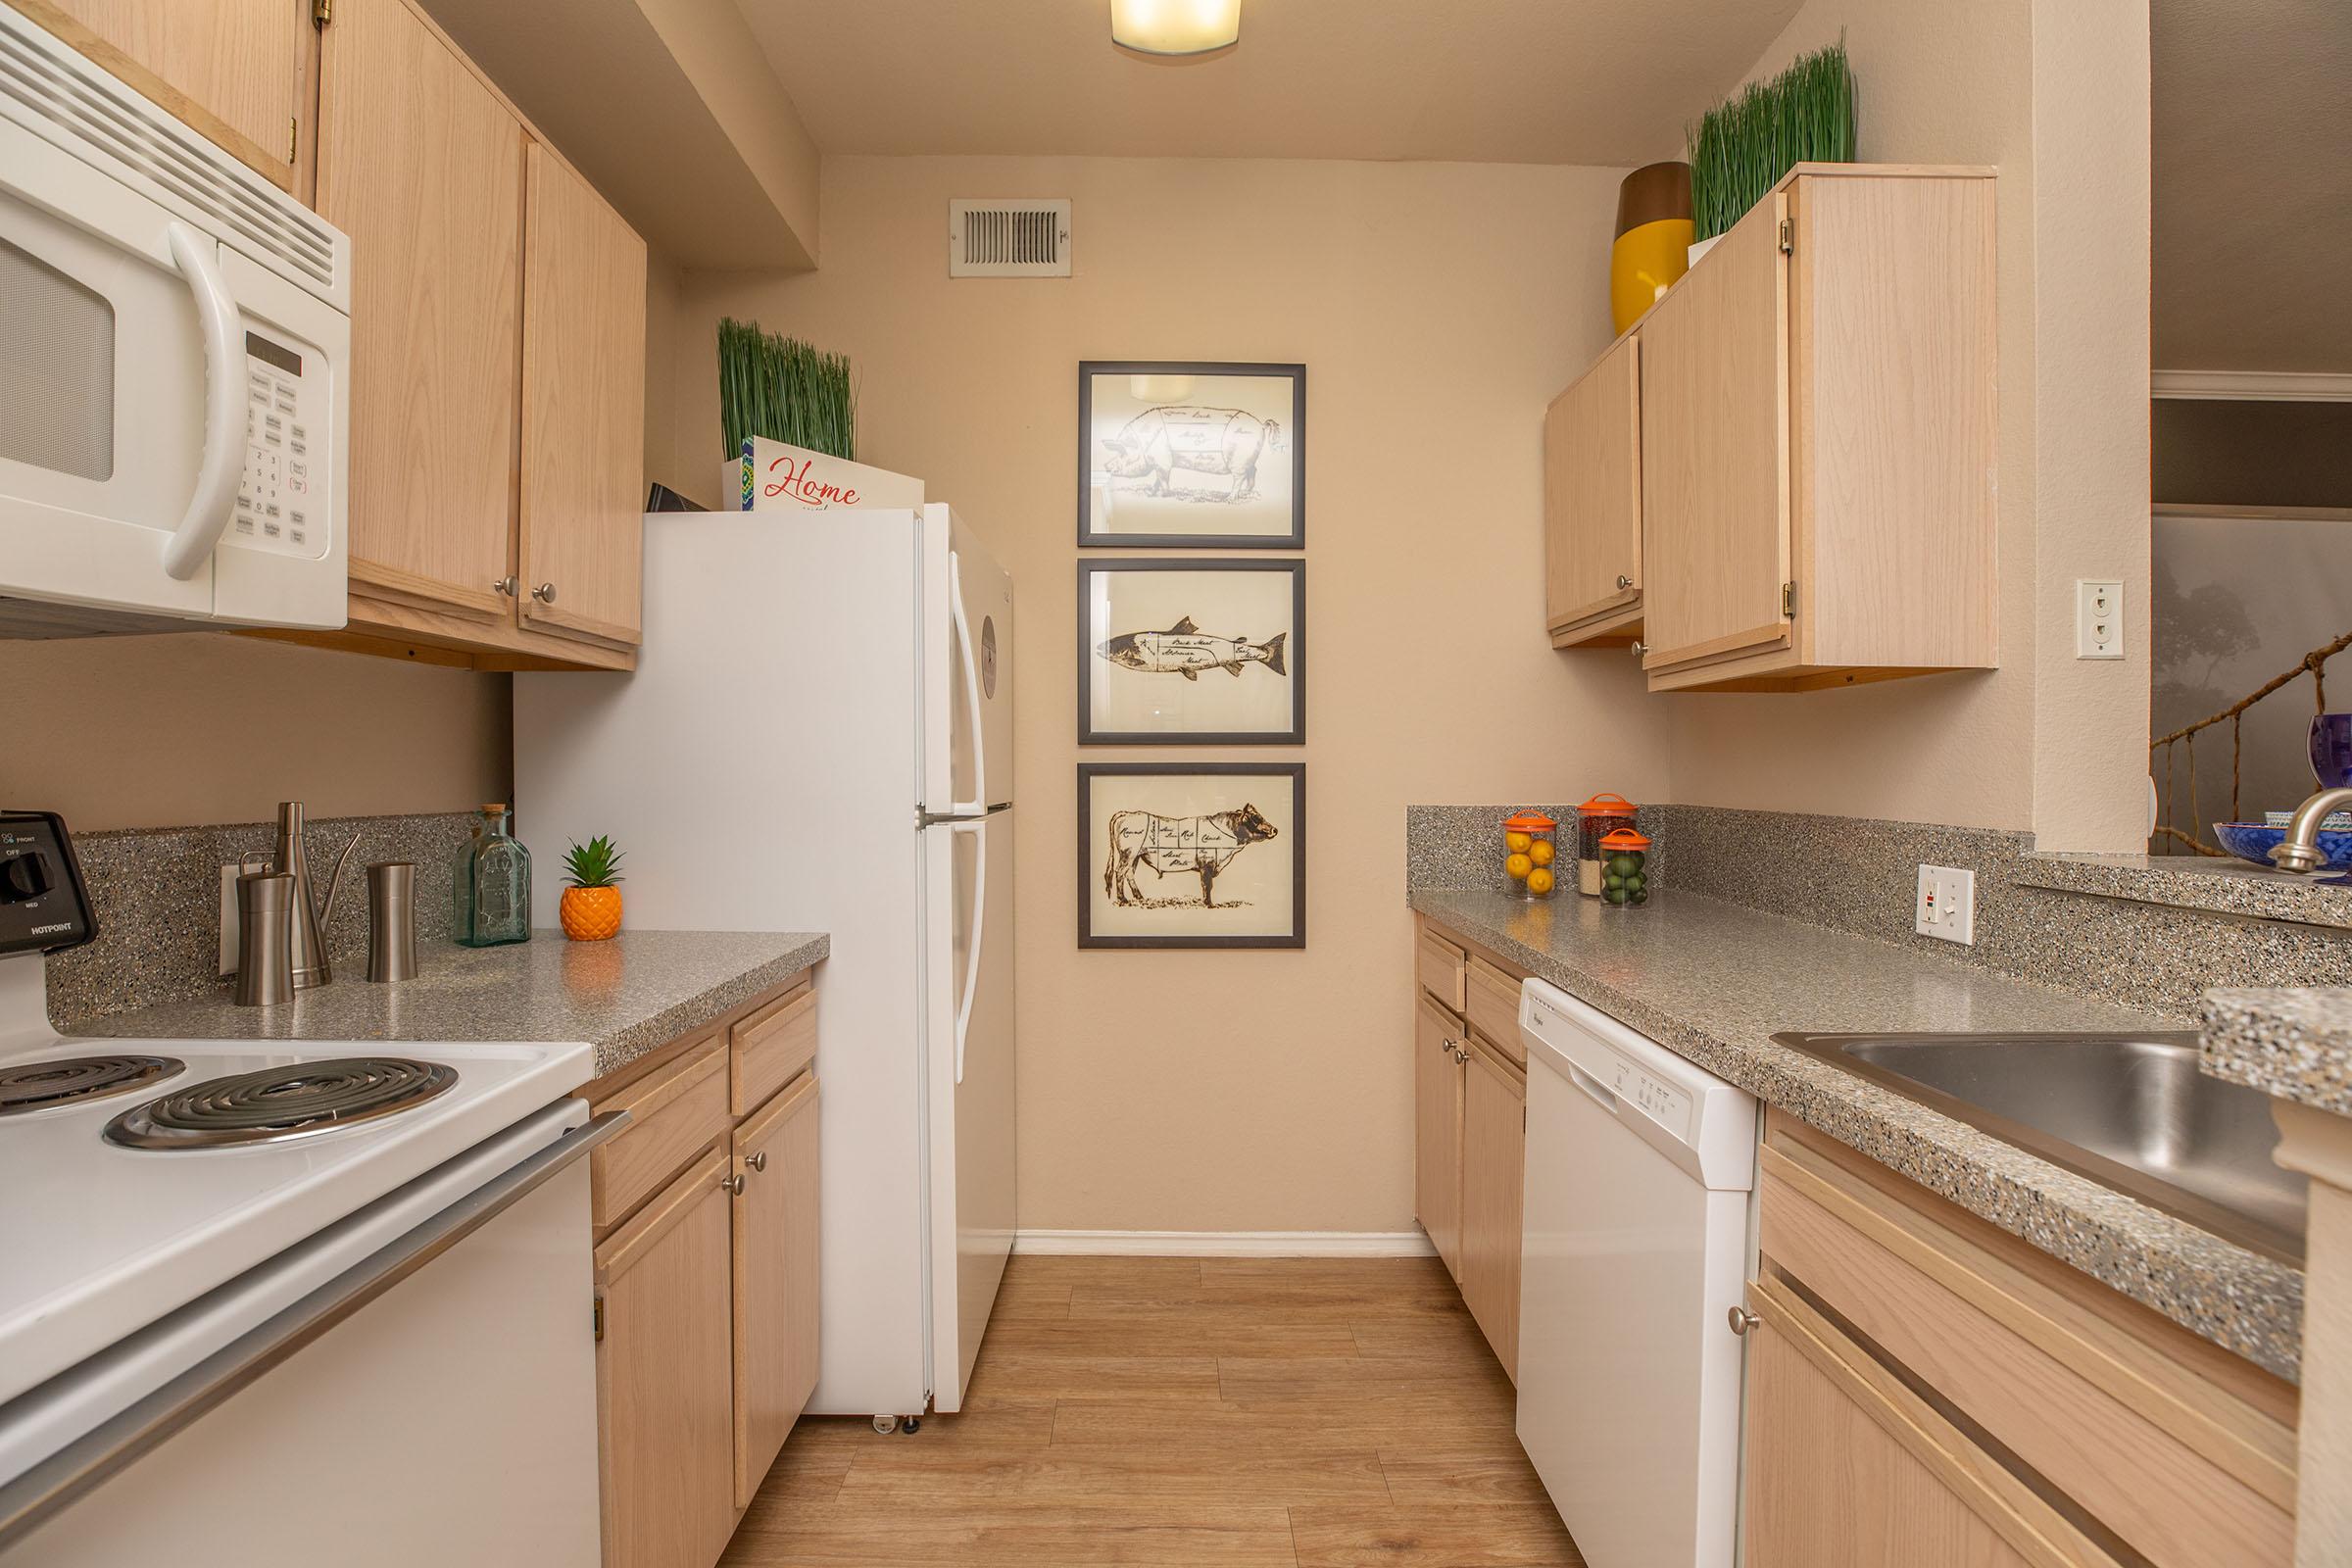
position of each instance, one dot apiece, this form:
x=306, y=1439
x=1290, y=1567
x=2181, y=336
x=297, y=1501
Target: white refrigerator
x=818, y=736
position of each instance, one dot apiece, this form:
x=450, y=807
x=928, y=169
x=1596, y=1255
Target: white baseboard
x=1223, y=1244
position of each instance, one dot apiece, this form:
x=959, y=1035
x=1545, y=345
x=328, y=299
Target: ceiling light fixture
x=1175, y=27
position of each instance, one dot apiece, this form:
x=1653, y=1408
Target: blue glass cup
x=2331, y=751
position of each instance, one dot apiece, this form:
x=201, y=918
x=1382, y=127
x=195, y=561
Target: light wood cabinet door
x=665, y=1376
x=1828, y=1487
x=232, y=66
x=1715, y=499
x=1493, y=1187
x=421, y=164
x=1438, y=1131
x=1592, y=501
x=583, y=411
x=775, y=1278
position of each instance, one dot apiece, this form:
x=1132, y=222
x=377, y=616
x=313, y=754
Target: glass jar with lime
x=1625, y=868
x=1530, y=853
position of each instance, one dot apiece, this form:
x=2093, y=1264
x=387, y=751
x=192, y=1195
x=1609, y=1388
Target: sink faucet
x=2299, y=850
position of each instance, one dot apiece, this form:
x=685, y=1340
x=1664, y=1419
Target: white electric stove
x=250, y=1277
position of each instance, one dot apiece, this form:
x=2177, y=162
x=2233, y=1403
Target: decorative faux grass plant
x=781, y=388
x=1741, y=147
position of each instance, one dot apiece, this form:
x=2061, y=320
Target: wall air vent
x=1009, y=239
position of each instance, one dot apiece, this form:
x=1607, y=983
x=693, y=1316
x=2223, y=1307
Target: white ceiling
x=1550, y=81
x=2252, y=152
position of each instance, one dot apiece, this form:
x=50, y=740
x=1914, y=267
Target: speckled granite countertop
x=626, y=997
x=1714, y=981
x=2294, y=1044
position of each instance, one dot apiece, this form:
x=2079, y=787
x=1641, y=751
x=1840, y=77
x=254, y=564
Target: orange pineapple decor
x=591, y=907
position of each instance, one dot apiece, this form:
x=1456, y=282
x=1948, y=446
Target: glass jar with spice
x=1530, y=851
x=1596, y=819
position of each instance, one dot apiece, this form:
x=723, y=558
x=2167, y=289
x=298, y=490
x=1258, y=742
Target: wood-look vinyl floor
x=1193, y=1412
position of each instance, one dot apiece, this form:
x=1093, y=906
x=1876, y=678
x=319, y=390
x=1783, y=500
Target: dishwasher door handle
x=1595, y=1090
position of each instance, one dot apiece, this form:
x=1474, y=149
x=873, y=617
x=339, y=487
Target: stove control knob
x=23, y=877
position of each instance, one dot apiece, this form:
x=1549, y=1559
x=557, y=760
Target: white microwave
x=174, y=369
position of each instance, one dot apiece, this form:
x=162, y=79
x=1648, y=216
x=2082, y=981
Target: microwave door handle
x=190, y=545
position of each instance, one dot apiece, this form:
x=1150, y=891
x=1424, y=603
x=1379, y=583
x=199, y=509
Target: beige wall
x=2054, y=93
x=206, y=727
x=1437, y=308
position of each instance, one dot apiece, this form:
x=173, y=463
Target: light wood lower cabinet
x=666, y=1376
x=706, y=1274
x=1437, y=1130
x=775, y=1278
x=1469, y=1133
x=1493, y=1184
x=1947, y=1393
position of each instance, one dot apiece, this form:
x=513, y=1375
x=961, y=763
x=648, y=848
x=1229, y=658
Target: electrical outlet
x=2098, y=619
x=1946, y=906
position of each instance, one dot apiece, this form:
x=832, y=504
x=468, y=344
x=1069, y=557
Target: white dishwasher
x=1634, y=1254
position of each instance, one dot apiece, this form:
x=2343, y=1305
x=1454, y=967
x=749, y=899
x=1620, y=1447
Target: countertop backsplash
x=2125, y=930
x=157, y=893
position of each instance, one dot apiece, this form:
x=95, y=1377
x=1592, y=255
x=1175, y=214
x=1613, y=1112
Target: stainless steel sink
x=2129, y=1110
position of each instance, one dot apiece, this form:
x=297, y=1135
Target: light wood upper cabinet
x=776, y=1304
x=583, y=409
x=1814, y=457
x=1715, y=453
x=664, y=1376
x=1593, y=503
x=422, y=164
x=1494, y=1156
x=230, y=68
x=1438, y=1132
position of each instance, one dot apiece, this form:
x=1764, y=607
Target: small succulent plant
x=593, y=864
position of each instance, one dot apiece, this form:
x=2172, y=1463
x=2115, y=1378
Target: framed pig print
x=1179, y=455
x=1200, y=855
x=1192, y=652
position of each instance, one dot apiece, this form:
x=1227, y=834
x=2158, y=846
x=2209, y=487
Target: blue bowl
x=2251, y=841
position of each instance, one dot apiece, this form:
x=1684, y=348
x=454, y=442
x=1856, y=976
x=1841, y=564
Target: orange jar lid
x=1625, y=840
x=1530, y=822
x=1606, y=806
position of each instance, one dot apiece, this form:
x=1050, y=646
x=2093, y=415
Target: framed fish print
x=1175, y=453
x=1192, y=652
x=1200, y=855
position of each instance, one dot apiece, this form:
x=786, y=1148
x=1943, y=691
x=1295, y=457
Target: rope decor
x=2312, y=664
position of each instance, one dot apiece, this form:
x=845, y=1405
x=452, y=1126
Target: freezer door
x=971, y=672
x=970, y=1062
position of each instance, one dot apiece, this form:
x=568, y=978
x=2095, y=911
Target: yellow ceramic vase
x=1654, y=240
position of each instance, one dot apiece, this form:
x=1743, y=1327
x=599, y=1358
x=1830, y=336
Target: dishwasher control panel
x=1661, y=1101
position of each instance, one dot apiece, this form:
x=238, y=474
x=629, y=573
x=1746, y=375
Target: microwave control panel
x=282, y=498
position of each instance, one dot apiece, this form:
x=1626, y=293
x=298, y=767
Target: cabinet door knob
x=757, y=1161
x=545, y=593
x=1742, y=1319
x=506, y=586
x=1623, y=581
x=1639, y=649
x=733, y=1183
x=1459, y=1054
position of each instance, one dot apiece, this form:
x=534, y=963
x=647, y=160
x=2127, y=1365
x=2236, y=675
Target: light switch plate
x=2099, y=618
x=1946, y=905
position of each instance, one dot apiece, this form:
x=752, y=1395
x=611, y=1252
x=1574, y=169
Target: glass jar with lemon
x=1531, y=852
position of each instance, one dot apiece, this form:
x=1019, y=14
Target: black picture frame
x=1294, y=653
x=1295, y=436
x=1092, y=868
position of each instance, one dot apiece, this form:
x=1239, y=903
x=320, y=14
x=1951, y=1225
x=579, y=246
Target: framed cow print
x=1199, y=854
x=1174, y=454
x=1192, y=652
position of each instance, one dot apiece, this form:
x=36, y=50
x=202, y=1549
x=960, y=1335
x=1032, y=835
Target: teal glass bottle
x=490, y=885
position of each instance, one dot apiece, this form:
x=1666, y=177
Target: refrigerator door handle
x=972, y=953
x=978, y=803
